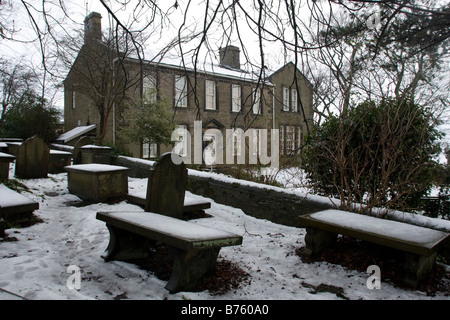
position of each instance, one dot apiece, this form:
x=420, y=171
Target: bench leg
x=124, y=245
x=2, y=227
x=316, y=240
x=189, y=267
x=416, y=268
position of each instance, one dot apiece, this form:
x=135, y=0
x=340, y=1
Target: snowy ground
x=35, y=266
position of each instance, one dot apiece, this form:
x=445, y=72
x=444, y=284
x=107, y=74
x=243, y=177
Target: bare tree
x=15, y=80
x=99, y=72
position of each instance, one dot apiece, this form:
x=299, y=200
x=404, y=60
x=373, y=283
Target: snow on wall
x=276, y=204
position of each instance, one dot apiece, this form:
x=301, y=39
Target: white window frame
x=290, y=139
x=294, y=97
x=153, y=150
x=285, y=99
x=236, y=98
x=257, y=107
x=299, y=139
x=149, y=150
x=149, y=85
x=180, y=92
x=210, y=95
x=145, y=150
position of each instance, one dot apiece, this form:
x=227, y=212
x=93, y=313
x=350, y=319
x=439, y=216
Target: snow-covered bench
x=194, y=248
x=190, y=204
x=418, y=243
x=14, y=207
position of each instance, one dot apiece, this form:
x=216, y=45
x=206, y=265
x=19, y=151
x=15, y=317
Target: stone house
x=222, y=96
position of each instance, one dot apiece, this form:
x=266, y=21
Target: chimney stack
x=229, y=57
x=93, y=27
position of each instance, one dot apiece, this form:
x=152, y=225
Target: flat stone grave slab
x=15, y=207
x=91, y=153
x=57, y=160
x=190, y=204
x=77, y=154
x=97, y=182
x=5, y=160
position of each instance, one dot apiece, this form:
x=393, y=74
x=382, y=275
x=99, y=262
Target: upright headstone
x=166, y=187
x=32, y=159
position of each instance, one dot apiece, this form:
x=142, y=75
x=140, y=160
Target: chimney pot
x=93, y=27
x=229, y=57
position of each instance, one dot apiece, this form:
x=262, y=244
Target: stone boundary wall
x=138, y=168
x=262, y=201
x=257, y=200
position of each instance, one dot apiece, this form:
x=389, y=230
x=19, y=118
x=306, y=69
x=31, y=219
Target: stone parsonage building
x=101, y=84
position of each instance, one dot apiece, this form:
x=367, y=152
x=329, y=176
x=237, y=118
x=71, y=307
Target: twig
x=250, y=234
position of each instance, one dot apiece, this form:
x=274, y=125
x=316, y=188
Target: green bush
x=28, y=116
x=376, y=154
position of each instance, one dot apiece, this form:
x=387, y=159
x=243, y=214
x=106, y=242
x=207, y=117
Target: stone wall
x=138, y=168
x=262, y=201
x=258, y=200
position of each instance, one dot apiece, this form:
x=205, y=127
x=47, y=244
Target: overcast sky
x=28, y=50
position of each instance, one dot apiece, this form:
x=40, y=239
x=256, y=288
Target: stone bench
x=5, y=160
x=189, y=205
x=14, y=207
x=97, y=182
x=419, y=244
x=194, y=248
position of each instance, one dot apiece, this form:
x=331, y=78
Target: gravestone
x=85, y=140
x=166, y=187
x=97, y=182
x=32, y=159
x=58, y=160
x=91, y=153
